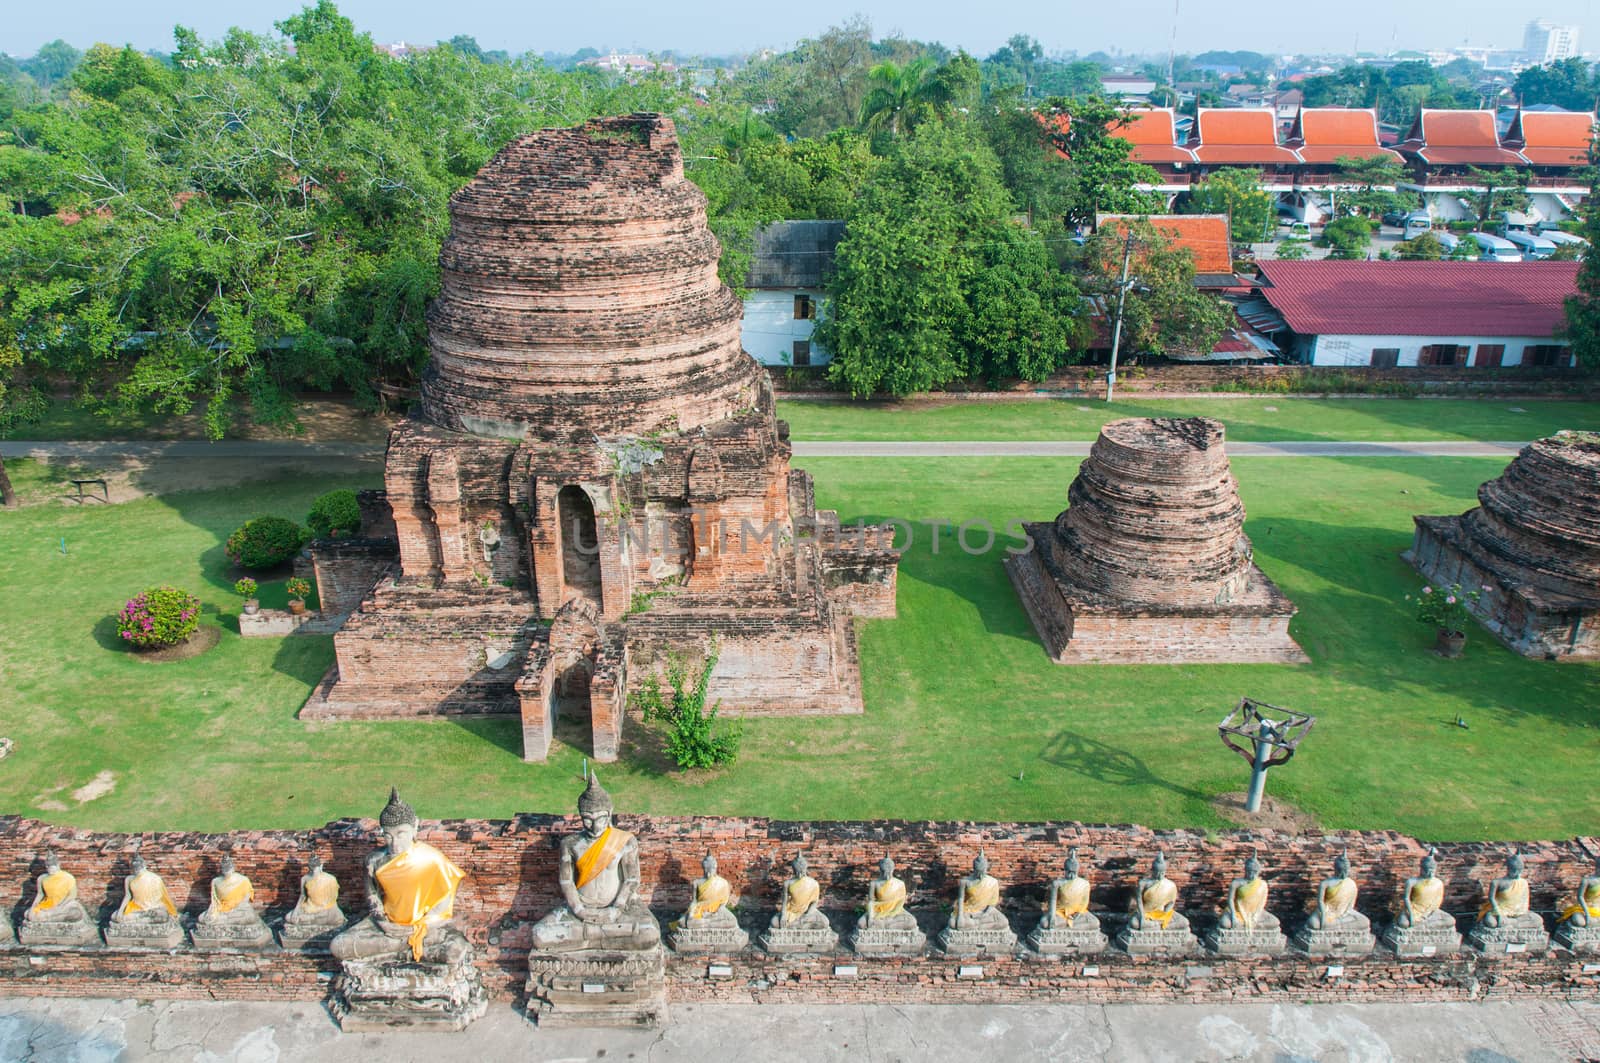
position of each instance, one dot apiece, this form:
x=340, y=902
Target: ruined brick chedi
x=1531, y=547
x=1150, y=562
x=595, y=476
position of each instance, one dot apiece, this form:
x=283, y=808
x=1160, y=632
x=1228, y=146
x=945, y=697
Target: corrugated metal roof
x=1419, y=298
x=793, y=254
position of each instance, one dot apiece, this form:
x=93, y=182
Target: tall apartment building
x=1544, y=42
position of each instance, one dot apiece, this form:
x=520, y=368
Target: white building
x=1544, y=42
x=788, y=265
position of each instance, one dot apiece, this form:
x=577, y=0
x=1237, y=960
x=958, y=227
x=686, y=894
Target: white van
x=1530, y=244
x=1417, y=223
x=1564, y=239
x=1495, y=248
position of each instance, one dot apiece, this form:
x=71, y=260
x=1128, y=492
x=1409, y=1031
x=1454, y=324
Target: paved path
x=90, y=1031
x=245, y=448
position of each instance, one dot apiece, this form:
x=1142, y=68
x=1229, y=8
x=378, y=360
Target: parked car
x=1493, y=248
x=1298, y=232
x=1452, y=243
x=1530, y=244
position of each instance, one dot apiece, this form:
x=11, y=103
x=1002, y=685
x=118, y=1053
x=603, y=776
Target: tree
x=1025, y=318
x=692, y=738
x=52, y=63
x=1504, y=188
x=1567, y=83
x=1251, y=210
x=1375, y=178
x=1583, y=305
x=1164, y=312
x=913, y=246
x=1037, y=175
x=899, y=97
x=1348, y=237
x=1424, y=247
x=1103, y=178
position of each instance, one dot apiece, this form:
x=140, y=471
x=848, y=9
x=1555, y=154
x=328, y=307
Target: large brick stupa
x=595, y=476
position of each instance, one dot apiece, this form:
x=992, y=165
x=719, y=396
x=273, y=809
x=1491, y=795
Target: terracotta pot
x=296, y=607
x=252, y=606
x=1449, y=643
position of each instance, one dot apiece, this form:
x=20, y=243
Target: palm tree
x=898, y=97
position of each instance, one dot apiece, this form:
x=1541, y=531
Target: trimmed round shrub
x=265, y=542
x=157, y=617
x=334, y=514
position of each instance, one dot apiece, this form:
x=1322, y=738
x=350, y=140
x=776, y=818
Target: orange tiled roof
x=1553, y=138
x=1154, y=136
x=1205, y=235
x=1323, y=134
x=1243, y=135
x=1457, y=138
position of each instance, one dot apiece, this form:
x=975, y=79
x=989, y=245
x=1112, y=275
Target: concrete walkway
x=90, y=1031
x=274, y=449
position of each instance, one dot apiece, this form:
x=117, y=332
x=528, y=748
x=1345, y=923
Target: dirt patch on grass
x=95, y=788
x=129, y=479
x=201, y=641
x=1276, y=815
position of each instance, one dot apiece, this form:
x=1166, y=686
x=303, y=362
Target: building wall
x=1350, y=350
x=768, y=329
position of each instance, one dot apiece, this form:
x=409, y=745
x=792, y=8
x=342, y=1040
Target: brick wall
x=511, y=883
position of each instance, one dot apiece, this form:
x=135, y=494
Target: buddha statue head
x=1252, y=868
x=980, y=865
x=398, y=823
x=886, y=869
x=52, y=862
x=1341, y=866
x=709, y=866
x=225, y=866
x=1514, y=864
x=314, y=866
x=137, y=867
x=1158, y=868
x=1072, y=862
x=595, y=807
x=798, y=865
x=1430, y=864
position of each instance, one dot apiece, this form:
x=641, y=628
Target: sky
x=722, y=26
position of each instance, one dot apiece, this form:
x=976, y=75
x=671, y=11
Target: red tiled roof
x=1325, y=134
x=1457, y=138
x=1154, y=136
x=1205, y=236
x=1419, y=298
x=1240, y=135
x=1553, y=138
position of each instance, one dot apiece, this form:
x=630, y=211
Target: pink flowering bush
x=1445, y=609
x=158, y=617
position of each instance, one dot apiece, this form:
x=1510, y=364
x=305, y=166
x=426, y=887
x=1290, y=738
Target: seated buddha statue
x=1508, y=895
x=318, y=903
x=1155, y=901
x=978, y=900
x=411, y=893
x=801, y=895
x=1247, y=899
x=886, y=901
x=1336, y=897
x=713, y=898
x=1585, y=912
x=599, y=879
x=231, y=894
x=56, y=896
x=144, y=898
x=1423, y=895
x=1068, y=897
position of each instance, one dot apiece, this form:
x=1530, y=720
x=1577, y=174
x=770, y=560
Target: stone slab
x=1524, y=934
x=1435, y=936
x=707, y=939
x=799, y=941
x=888, y=941
x=1354, y=939
x=968, y=942
x=1584, y=940
x=37, y=933
x=309, y=937
x=144, y=935
x=1264, y=940
x=1176, y=940
x=1082, y=938
x=253, y=937
x=598, y=988
x=382, y=995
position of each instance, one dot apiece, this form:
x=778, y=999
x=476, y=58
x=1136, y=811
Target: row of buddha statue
x=600, y=955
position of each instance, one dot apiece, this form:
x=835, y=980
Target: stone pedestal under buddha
x=800, y=927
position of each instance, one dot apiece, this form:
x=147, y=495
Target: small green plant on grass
x=158, y=617
x=265, y=543
x=693, y=740
x=1445, y=608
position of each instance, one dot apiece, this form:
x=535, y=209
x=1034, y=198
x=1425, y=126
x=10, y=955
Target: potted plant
x=246, y=589
x=1446, y=609
x=298, y=588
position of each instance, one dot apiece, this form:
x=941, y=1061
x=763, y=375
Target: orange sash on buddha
x=710, y=898
x=985, y=893
x=142, y=896
x=600, y=854
x=229, y=900
x=1073, y=900
x=413, y=884
x=1156, y=898
x=1513, y=900
x=53, y=889
x=889, y=899
x=1250, y=901
x=1588, y=903
x=802, y=893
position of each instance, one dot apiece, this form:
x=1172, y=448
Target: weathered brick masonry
x=512, y=882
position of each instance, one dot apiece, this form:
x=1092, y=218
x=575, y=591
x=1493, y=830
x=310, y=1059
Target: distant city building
x=401, y=49
x=1545, y=42
x=616, y=63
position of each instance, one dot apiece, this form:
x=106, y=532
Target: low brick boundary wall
x=511, y=884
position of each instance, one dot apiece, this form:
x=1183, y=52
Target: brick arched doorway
x=580, y=545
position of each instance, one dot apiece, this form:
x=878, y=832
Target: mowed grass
x=1258, y=419
x=966, y=718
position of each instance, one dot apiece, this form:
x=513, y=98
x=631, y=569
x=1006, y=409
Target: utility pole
x=1116, y=332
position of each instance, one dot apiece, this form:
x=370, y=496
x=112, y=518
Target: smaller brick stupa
x=1150, y=563
x=1531, y=548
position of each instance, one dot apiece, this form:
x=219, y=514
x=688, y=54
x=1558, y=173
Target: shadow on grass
x=1107, y=765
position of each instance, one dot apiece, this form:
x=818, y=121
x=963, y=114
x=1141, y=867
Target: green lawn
x=966, y=718
x=1258, y=419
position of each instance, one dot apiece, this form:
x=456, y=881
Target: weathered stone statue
x=1068, y=927
x=1422, y=927
x=800, y=926
x=146, y=918
x=316, y=914
x=1579, y=926
x=406, y=964
x=710, y=924
x=887, y=929
x=57, y=916
x=1334, y=927
x=598, y=959
x=1245, y=926
x=978, y=927
x=1156, y=926
x=1505, y=923
x=231, y=921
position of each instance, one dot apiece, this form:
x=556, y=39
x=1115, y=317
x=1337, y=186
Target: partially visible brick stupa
x=595, y=476
x=1531, y=548
x=1149, y=562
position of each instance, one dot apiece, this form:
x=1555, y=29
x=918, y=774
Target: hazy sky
x=724, y=26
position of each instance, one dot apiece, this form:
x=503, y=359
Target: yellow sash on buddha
x=600, y=854
x=984, y=893
x=710, y=898
x=53, y=889
x=1426, y=897
x=413, y=884
x=1340, y=899
x=142, y=894
x=1513, y=899
x=321, y=892
x=802, y=895
x=1250, y=901
x=1589, y=904
x=889, y=899
x=1072, y=900
x=1156, y=898
x=228, y=900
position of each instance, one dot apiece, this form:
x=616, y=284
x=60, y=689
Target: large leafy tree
x=1164, y=312
x=1568, y=83
x=1375, y=178
x=901, y=96
x=1583, y=306
x=1251, y=210
x=1025, y=317
x=1103, y=177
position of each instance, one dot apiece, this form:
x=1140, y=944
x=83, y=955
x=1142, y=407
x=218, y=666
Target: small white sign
x=1429, y=950
x=594, y=987
x=1516, y=946
x=965, y=971
x=1091, y=972
x=719, y=970
x=1335, y=970
x=1591, y=968
x=844, y=970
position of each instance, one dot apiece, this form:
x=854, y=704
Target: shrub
x=298, y=588
x=265, y=542
x=1445, y=609
x=245, y=588
x=690, y=741
x=158, y=617
x=334, y=514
